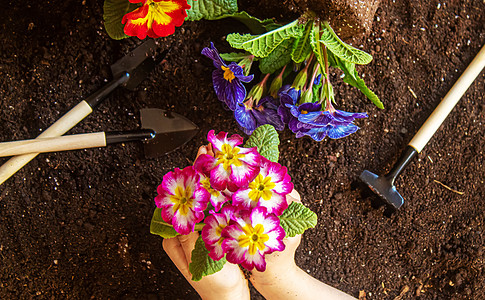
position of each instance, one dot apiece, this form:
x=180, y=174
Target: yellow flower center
x=218, y=232
x=158, y=12
x=229, y=156
x=304, y=112
x=182, y=200
x=228, y=74
x=207, y=185
x=261, y=188
x=253, y=238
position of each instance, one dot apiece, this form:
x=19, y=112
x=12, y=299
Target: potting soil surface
x=76, y=224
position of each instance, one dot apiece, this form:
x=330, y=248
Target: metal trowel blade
x=171, y=131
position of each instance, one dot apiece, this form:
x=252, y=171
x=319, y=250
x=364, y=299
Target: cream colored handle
x=440, y=113
x=61, y=126
x=61, y=143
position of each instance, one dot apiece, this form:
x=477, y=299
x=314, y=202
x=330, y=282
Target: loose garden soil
x=76, y=224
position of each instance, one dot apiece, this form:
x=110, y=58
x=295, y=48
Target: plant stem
x=325, y=58
x=315, y=71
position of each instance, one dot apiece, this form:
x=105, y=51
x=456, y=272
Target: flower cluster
x=155, y=18
x=250, y=111
x=305, y=106
x=237, y=194
x=310, y=119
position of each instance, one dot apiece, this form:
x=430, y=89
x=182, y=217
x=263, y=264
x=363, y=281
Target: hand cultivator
x=384, y=185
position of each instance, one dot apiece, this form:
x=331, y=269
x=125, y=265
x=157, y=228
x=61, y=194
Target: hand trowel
x=128, y=71
x=161, y=131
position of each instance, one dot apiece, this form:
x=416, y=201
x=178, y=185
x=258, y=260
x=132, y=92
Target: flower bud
x=276, y=84
x=246, y=64
x=306, y=96
x=300, y=80
x=256, y=93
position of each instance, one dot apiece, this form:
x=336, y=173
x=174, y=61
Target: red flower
x=156, y=18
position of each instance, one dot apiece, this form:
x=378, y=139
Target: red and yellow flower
x=155, y=18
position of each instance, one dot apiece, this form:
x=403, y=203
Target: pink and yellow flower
x=182, y=199
x=268, y=189
x=250, y=236
x=212, y=231
x=231, y=167
x=217, y=198
x=155, y=18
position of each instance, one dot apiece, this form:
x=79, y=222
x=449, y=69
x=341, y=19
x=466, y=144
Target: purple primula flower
x=250, y=236
x=211, y=232
x=227, y=79
x=288, y=96
x=336, y=118
x=309, y=119
x=318, y=133
x=265, y=112
x=268, y=189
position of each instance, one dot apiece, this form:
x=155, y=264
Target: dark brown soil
x=76, y=224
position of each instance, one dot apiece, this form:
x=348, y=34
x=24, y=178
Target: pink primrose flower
x=217, y=198
x=231, y=167
x=250, y=236
x=268, y=189
x=182, y=199
x=211, y=233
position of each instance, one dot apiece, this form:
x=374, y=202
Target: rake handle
x=440, y=113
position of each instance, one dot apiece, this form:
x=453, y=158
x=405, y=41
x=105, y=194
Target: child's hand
x=228, y=283
x=279, y=263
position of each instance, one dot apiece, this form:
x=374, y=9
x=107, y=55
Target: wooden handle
x=62, y=143
x=435, y=120
x=61, y=126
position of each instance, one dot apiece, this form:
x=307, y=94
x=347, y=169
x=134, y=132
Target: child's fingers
x=174, y=250
x=188, y=244
x=293, y=196
x=210, y=151
x=202, y=150
x=205, y=150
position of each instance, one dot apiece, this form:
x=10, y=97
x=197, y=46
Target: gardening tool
x=129, y=71
x=162, y=132
x=384, y=185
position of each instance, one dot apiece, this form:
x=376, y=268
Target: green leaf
x=202, y=265
x=266, y=140
x=352, y=77
x=234, y=56
x=113, y=12
x=160, y=227
x=262, y=45
x=343, y=50
x=254, y=24
x=297, y=218
x=210, y=9
x=302, y=46
x=278, y=58
x=316, y=47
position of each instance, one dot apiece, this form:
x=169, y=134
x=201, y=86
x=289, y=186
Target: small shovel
x=128, y=71
x=384, y=185
x=162, y=132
